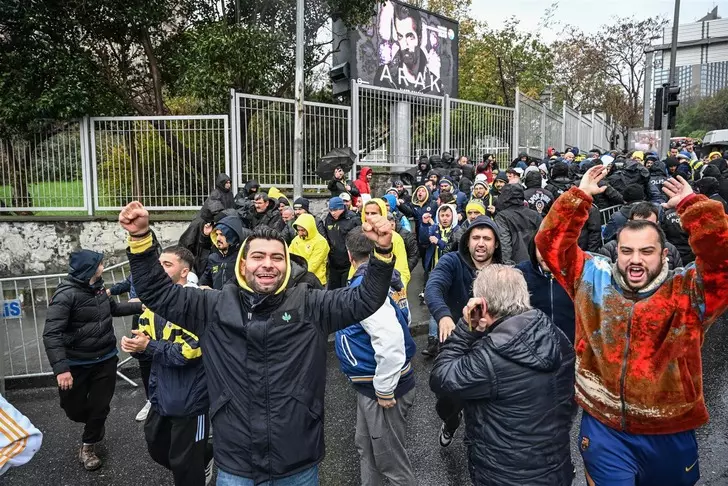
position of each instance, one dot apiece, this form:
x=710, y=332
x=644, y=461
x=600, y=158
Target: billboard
x=404, y=48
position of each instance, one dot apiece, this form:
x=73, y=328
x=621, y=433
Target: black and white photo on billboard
x=408, y=49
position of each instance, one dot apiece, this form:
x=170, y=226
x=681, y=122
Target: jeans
x=433, y=327
x=309, y=477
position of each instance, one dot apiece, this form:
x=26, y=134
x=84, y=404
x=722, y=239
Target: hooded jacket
x=461, y=199
x=335, y=231
x=314, y=248
x=375, y=354
x=221, y=268
x=538, y=199
x=79, y=327
x=419, y=208
x=398, y=249
x=247, y=192
x=362, y=184
x=516, y=382
x=435, y=251
x=423, y=169
x=639, y=353
x=177, y=384
x=547, y=294
x=264, y=357
x=517, y=222
x=221, y=194
x=451, y=282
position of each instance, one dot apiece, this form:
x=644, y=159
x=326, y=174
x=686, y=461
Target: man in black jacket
x=178, y=424
x=265, y=342
x=229, y=235
x=537, y=198
x=81, y=347
x=518, y=223
x=221, y=193
x=265, y=213
x=335, y=227
x=514, y=370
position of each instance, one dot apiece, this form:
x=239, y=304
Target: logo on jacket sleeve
x=286, y=317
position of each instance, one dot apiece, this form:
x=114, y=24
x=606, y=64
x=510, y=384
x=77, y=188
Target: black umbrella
x=342, y=157
x=409, y=177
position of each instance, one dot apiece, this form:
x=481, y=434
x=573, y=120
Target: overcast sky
x=589, y=15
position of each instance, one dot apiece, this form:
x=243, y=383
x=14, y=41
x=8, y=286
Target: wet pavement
x=127, y=461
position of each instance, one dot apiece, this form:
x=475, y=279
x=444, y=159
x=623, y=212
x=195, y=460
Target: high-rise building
x=701, y=60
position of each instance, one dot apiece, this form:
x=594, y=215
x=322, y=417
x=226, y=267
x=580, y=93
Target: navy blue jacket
x=451, y=281
x=548, y=296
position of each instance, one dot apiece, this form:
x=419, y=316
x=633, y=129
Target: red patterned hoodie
x=638, y=365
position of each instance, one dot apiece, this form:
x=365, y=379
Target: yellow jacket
x=315, y=248
x=398, y=249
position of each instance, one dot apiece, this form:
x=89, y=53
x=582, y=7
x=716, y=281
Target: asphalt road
x=127, y=461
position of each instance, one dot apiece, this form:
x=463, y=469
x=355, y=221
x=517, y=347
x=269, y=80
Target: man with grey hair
x=513, y=369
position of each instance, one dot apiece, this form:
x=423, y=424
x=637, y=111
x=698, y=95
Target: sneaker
x=445, y=436
x=208, y=471
x=142, y=415
x=88, y=458
x=432, y=348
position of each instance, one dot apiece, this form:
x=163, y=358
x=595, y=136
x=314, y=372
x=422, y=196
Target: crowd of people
x=538, y=308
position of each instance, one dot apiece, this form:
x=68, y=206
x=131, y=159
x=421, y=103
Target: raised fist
x=134, y=218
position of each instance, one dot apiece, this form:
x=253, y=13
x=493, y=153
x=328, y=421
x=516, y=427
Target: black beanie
x=301, y=201
x=707, y=186
x=671, y=162
x=559, y=169
x=711, y=170
x=634, y=193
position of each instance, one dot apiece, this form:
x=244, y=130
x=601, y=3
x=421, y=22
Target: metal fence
x=541, y=126
x=23, y=353
x=166, y=162
x=391, y=127
x=263, y=138
x=46, y=172
x=476, y=129
x=171, y=162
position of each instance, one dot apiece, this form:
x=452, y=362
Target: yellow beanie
x=717, y=154
x=475, y=206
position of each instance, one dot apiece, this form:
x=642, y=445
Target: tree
x=623, y=45
x=698, y=117
x=494, y=62
x=578, y=66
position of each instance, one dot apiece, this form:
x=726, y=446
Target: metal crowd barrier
x=25, y=305
x=606, y=215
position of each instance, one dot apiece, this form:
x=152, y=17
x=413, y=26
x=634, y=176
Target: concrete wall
x=36, y=248
x=43, y=247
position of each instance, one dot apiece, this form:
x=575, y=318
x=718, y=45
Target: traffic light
x=657, y=123
x=670, y=103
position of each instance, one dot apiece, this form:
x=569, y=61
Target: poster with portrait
x=406, y=48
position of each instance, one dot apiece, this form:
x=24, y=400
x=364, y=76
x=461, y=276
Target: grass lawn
x=70, y=194
x=51, y=195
